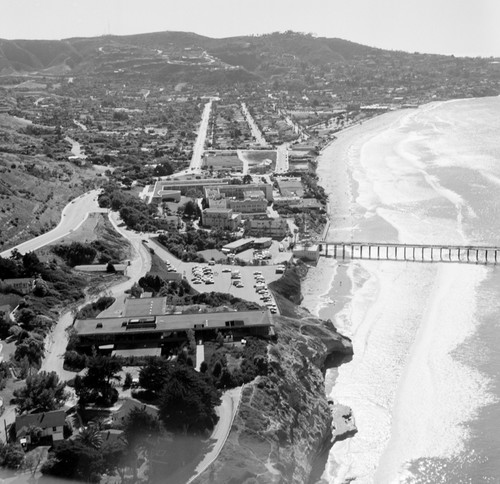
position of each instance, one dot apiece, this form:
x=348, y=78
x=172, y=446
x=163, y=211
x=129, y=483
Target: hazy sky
x=460, y=27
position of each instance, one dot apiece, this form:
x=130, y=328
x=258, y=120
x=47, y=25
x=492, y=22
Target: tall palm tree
x=90, y=436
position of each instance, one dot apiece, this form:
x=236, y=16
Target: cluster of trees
x=185, y=246
x=36, y=312
x=161, y=287
x=88, y=456
x=136, y=214
x=96, y=385
x=91, y=310
x=11, y=455
x=42, y=392
x=78, y=253
x=75, y=253
x=186, y=398
x=252, y=363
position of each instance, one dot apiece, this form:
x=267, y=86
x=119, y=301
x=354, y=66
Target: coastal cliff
x=284, y=420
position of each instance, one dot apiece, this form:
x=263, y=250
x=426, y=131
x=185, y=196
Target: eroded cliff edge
x=284, y=420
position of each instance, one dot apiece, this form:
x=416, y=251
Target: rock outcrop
x=284, y=420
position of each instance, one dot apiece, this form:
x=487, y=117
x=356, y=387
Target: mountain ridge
x=164, y=48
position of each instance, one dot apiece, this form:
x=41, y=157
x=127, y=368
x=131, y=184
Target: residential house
x=127, y=406
x=51, y=424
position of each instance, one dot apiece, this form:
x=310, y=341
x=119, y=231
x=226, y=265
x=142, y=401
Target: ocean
x=424, y=382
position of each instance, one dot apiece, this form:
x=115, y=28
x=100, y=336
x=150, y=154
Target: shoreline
x=407, y=440
x=336, y=176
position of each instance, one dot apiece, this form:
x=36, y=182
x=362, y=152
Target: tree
x=32, y=349
x=128, y=381
x=90, y=436
x=11, y=455
x=188, y=402
x=192, y=340
x=42, y=392
x=247, y=179
x=141, y=431
x=96, y=384
x=152, y=376
x=73, y=459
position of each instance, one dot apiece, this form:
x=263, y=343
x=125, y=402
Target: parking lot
x=222, y=280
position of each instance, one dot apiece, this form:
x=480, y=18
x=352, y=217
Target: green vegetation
x=185, y=246
x=11, y=455
x=91, y=310
x=55, y=286
x=42, y=392
x=95, y=386
x=136, y=214
x=230, y=367
x=76, y=253
x=187, y=403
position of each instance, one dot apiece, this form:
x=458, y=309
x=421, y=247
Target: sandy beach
x=408, y=393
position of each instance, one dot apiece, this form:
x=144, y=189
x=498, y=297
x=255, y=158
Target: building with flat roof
x=164, y=187
x=145, y=306
x=222, y=218
x=222, y=161
x=248, y=205
x=238, y=191
x=290, y=187
x=237, y=246
x=168, y=330
x=275, y=228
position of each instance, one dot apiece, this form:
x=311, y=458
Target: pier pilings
x=412, y=252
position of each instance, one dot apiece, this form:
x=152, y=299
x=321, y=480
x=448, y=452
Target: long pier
x=411, y=252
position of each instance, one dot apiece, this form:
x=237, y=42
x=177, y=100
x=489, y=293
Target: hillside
x=34, y=187
x=166, y=53
x=184, y=56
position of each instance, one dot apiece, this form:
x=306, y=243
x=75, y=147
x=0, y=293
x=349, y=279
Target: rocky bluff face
x=284, y=420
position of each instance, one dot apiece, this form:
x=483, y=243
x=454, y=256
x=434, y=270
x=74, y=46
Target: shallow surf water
x=423, y=400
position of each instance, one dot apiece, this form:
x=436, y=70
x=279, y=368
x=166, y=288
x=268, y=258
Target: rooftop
x=43, y=420
x=145, y=306
x=237, y=243
x=171, y=322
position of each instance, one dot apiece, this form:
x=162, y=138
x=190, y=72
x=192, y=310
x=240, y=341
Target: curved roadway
x=73, y=215
x=140, y=263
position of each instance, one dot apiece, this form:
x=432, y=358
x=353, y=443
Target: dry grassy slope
x=96, y=227
x=33, y=191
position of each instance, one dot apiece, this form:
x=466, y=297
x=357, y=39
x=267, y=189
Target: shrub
x=11, y=455
x=74, y=361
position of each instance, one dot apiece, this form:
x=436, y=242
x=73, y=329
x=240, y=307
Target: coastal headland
x=284, y=424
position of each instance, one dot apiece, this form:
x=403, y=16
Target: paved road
x=256, y=133
x=282, y=164
x=73, y=215
x=199, y=145
x=57, y=340
x=226, y=411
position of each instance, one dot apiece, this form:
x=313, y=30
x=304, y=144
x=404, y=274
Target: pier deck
x=411, y=252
